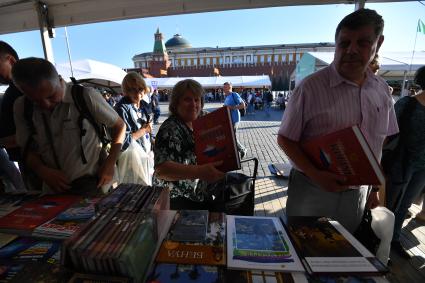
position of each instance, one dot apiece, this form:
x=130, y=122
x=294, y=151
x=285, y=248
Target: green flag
x=421, y=27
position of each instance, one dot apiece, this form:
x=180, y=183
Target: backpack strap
x=77, y=92
x=28, y=113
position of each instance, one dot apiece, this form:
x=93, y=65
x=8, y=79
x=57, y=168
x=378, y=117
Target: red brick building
x=177, y=58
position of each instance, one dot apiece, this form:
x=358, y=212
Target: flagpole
x=411, y=59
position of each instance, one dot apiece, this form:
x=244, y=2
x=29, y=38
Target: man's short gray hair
x=30, y=72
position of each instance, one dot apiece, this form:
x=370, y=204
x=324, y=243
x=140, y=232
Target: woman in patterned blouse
x=175, y=160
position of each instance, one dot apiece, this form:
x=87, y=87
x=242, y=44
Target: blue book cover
x=16, y=246
x=82, y=210
x=178, y=273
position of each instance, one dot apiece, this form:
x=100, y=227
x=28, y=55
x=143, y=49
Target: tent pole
x=46, y=30
x=69, y=51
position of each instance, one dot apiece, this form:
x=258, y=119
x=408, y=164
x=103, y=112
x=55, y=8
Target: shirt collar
x=336, y=79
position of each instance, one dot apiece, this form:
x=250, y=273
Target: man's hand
x=55, y=179
x=373, y=200
x=208, y=172
x=106, y=172
x=328, y=181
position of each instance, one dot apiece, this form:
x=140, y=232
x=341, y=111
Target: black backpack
x=77, y=93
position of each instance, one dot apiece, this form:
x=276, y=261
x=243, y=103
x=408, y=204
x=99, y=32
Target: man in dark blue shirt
x=8, y=58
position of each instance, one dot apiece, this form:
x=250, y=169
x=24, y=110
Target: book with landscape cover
x=259, y=243
x=326, y=247
x=215, y=140
x=36, y=212
x=209, y=251
x=346, y=152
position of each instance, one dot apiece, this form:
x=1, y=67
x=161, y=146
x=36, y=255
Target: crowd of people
x=66, y=147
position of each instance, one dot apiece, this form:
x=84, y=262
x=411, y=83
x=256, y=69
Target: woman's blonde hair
x=180, y=89
x=133, y=83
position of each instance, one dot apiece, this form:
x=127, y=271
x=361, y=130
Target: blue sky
x=117, y=42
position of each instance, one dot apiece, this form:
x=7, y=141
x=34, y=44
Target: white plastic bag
x=135, y=166
x=383, y=226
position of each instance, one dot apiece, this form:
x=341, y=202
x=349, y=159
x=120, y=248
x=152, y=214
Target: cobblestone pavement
x=258, y=133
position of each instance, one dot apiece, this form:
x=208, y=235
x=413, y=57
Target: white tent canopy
x=21, y=15
x=393, y=64
x=93, y=72
x=212, y=82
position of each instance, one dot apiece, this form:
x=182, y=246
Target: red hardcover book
x=346, y=152
x=215, y=140
x=36, y=212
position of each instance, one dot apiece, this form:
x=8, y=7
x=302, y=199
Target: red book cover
x=345, y=152
x=215, y=140
x=36, y=212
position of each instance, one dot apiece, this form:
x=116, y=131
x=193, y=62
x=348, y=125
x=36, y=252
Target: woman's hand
x=148, y=128
x=208, y=172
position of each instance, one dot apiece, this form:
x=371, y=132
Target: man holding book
x=344, y=94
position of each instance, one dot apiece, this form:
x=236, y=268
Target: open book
x=346, y=152
x=326, y=247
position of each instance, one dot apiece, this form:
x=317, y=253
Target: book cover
x=191, y=226
x=36, y=212
x=16, y=246
x=41, y=250
x=326, y=247
x=69, y=221
x=179, y=273
x=259, y=243
x=215, y=140
x=346, y=152
x=210, y=251
x=82, y=210
x=113, y=198
x=6, y=239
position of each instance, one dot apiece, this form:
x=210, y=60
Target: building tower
x=159, y=64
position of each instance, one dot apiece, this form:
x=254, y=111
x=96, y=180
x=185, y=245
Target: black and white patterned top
x=174, y=142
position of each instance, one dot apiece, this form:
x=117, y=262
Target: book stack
x=32, y=214
x=116, y=243
x=122, y=237
x=193, y=250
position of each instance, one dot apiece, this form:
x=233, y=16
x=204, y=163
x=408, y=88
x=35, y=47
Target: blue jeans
x=267, y=107
x=402, y=191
